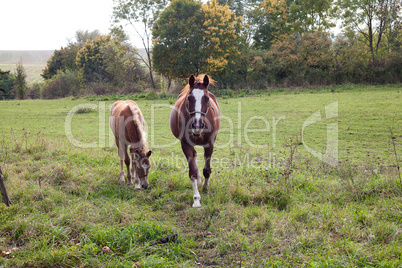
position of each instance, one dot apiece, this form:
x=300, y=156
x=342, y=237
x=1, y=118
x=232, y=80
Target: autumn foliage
x=222, y=37
x=241, y=43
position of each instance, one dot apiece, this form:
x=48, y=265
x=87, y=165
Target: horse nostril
x=144, y=185
x=202, y=125
x=193, y=125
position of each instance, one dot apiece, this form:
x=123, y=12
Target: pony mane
x=140, y=131
x=200, y=77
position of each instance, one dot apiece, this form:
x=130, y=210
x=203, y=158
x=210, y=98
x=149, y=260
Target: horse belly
x=174, y=124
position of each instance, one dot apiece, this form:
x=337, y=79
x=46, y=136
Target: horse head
x=197, y=103
x=142, y=165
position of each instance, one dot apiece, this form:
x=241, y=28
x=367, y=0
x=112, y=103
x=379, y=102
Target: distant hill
x=34, y=61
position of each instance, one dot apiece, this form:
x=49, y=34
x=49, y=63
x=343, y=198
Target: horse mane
x=200, y=77
x=142, y=135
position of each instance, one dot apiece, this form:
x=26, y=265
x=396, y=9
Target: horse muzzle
x=144, y=183
x=197, y=128
x=197, y=132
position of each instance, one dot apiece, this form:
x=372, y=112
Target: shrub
x=298, y=60
x=34, y=91
x=65, y=83
x=6, y=83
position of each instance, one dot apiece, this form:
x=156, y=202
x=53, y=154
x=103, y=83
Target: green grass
x=266, y=207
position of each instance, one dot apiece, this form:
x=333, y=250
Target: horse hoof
x=196, y=205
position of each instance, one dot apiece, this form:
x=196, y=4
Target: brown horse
x=127, y=124
x=195, y=120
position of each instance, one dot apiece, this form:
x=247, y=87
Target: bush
x=97, y=88
x=314, y=59
x=63, y=84
x=6, y=83
x=34, y=91
x=299, y=60
x=385, y=70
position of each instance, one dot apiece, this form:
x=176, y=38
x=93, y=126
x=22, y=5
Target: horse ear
x=206, y=81
x=149, y=153
x=191, y=80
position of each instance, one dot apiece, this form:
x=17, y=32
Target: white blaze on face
x=144, y=166
x=198, y=94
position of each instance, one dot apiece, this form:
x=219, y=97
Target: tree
x=20, y=83
x=393, y=29
x=65, y=57
x=222, y=37
x=247, y=10
x=371, y=19
x=272, y=20
x=90, y=61
x=141, y=15
x=6, y=82
x=308, y=16
x=122, y=66
x=191, y=38
x=61, y=60
x=178, y=49
x=81, y=37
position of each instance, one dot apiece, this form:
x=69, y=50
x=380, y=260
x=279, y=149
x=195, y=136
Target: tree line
x=240, y=43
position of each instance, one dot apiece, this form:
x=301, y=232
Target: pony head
x=142, y=165
x=197, y=103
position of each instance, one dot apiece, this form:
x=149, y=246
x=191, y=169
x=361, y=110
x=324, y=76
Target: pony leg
x=137, y=185
x=207, y=168
x=196, y=165
x=120, y=148
x=193, y=172
x=127, y=161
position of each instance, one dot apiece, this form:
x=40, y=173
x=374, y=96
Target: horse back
x=128, y=113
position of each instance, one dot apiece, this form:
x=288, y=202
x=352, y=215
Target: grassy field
x=34, y=61
x=273, y=201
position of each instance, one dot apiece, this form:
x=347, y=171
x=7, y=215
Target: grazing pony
x=127, y=124
x=195, y=120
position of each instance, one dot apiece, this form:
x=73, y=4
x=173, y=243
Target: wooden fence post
x=6, y=199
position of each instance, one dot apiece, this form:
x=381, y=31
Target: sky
x=48, y=24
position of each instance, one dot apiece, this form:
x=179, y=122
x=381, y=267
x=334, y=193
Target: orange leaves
x=221, y=34
x=276, y=9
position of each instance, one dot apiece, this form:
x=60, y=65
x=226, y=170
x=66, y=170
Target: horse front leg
x=128, y=162
x=121, y=148
x=194, y=175
x=196, y=166
x=207, y=167
x=137, y=185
